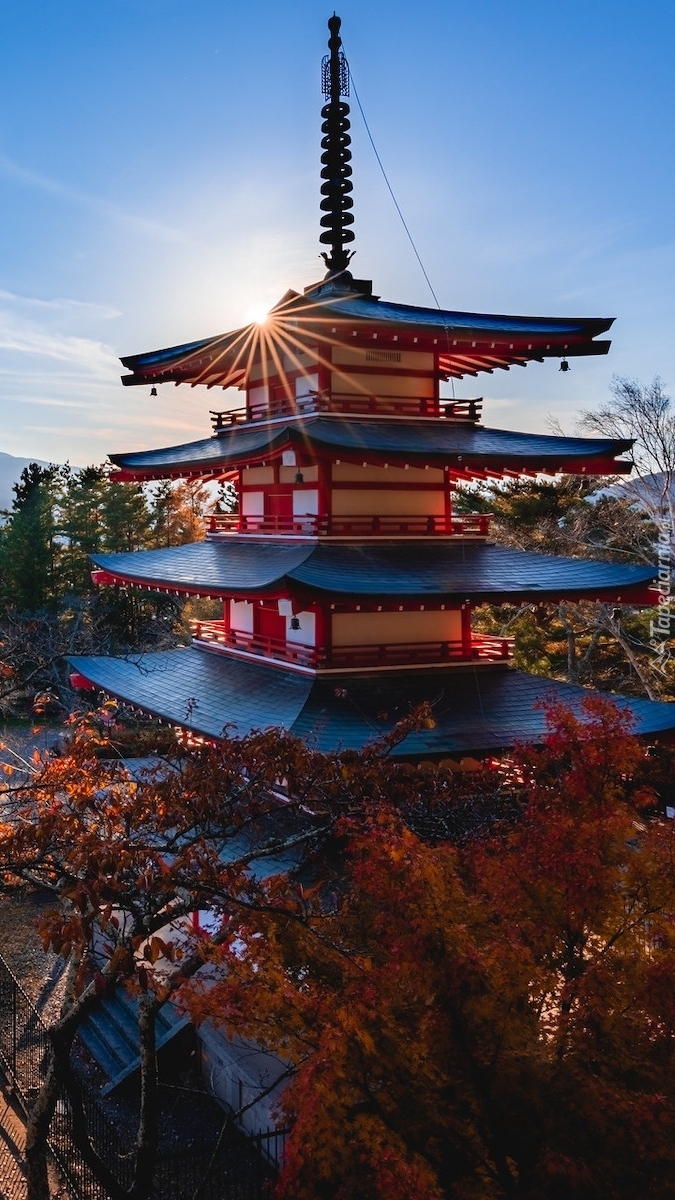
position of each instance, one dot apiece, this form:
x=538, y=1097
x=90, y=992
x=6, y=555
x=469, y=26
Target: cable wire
x=475, y=671
x=391, y=193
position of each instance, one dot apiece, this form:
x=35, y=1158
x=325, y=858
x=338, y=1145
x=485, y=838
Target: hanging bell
x=153, y=391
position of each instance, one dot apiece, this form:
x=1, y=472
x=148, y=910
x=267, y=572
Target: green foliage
x=592, y=643
x=28, y=548
x=49, y=607
x=59, y=517
x=177, y=513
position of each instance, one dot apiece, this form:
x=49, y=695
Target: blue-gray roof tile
x=458, y=570
x=475, y=710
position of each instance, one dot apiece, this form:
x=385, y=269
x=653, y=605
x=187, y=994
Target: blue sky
x=159, y=182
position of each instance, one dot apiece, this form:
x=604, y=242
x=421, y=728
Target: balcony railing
x=484, y=647
x=351, y=404
x=466, y=525
x=214, y=633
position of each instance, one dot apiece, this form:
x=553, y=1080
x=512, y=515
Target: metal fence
x=232, y=1167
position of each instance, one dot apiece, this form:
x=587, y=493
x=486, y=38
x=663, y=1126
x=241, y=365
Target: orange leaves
x=476, y=1017
x=157, y=948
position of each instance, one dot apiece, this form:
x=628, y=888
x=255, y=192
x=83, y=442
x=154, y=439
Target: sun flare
x=258, y=314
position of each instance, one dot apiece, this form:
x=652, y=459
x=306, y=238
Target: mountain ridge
x=10, y=473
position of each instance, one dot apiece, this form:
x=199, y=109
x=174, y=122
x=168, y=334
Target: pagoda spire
x=336, y=157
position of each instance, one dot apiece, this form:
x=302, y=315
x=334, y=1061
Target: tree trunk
x=59, y=1075
x=148, y=1132
x=37, y=1132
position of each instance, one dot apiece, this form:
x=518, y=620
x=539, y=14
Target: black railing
x=232, y=1167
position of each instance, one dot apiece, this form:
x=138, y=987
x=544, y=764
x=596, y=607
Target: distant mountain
x=646, y=490
x=10, y=471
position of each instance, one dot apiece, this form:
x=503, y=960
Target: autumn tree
x=178, y=511
x=632, y=520
x=495, y=1019
x=469, y=978
x=129, y=857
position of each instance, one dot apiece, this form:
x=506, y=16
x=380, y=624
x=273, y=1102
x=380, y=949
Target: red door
x=268, y=623
x=279, y=510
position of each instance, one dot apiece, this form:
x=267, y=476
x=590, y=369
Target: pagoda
x=347, y=580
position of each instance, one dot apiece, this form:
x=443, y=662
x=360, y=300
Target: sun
x=257, y=314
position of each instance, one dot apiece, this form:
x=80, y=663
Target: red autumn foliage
x=472, y=1018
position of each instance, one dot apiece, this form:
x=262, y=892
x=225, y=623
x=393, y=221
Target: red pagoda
x=347, y=581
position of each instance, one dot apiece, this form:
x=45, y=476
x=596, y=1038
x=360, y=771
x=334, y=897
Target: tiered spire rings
x=336, y=157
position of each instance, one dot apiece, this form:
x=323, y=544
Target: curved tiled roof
x=341, y=309
x=436, y=442
x=475, y=711
x=374, y=570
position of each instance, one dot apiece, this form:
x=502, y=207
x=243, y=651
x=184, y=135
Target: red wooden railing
x=215, y=633
x=350, y=403
x=483, y=647
x=467, y=525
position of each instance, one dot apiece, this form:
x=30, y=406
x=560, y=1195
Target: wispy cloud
x=81, y=352
x=59, y=305
x=27, y=327
x=119, y=216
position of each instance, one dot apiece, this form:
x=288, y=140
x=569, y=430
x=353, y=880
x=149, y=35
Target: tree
x=81, y=507
x=485, y=1015
x=154, y=849
x=644, y=413
x=590, y=643
x=48, y=605
x=490, y=1020
x=178, y=511
x=28, y=547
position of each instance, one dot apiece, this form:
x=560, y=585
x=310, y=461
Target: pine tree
x=178, y=513
x=29, y=550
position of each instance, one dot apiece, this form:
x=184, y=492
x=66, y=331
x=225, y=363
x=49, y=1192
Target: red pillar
x=466, y=631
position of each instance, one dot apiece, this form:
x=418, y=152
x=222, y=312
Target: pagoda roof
x=375, y=571
x=340, y=309
x=432, y=441
x=475, y=711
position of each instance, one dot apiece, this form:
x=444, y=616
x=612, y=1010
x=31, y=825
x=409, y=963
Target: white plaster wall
x=305, y=384
x=258, y=396
x=241, y=616
x=252, y=504
x=305, y=502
